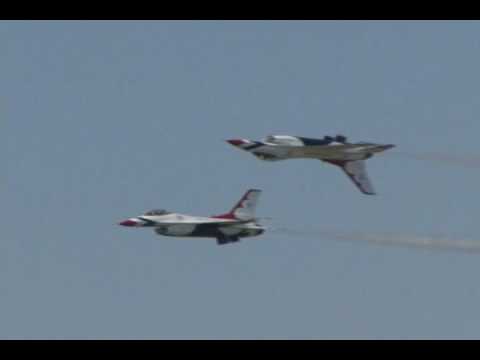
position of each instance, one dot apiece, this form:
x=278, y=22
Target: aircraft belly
x=206, y=230
x=179, y=229
x=328, y=153
x=210, y=230
x=230, y=230
x=272, y=153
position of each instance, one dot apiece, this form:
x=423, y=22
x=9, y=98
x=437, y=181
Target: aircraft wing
x=333, y=151
x=227, y=224
x=202, y=223
x=357, y=172
x=328, y=151
x=206, y=221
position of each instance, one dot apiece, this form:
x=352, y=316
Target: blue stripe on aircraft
x=254, y=146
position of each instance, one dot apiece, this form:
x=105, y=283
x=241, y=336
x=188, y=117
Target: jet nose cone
x=236, y=142
x=128, y=222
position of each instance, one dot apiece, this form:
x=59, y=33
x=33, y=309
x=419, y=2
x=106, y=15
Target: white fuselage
x=350, y=157
x=229, y=227
x=174, y=224
x=321, y=152
x=282, y=147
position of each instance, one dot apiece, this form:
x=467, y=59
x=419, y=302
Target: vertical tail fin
x=245, y=208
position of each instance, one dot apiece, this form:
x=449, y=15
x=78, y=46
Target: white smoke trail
x=426, y=242
x=469, y=161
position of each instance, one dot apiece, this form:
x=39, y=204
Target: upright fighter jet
x=350, y=157
x=226, y=228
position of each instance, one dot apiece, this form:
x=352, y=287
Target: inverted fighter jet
x=350, y=157
x=226, y=228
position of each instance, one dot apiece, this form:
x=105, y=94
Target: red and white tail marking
x=245, y=208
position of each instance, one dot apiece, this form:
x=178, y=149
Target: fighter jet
x=350, y=157
x=226, y=228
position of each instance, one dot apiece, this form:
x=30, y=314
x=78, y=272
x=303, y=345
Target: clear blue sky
x=104, y=120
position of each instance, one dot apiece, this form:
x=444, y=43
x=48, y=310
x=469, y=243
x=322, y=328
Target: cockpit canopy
x=157, y=212
x=270, y=139
x=325, y=141
x=300, y=141
x=283, y=140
